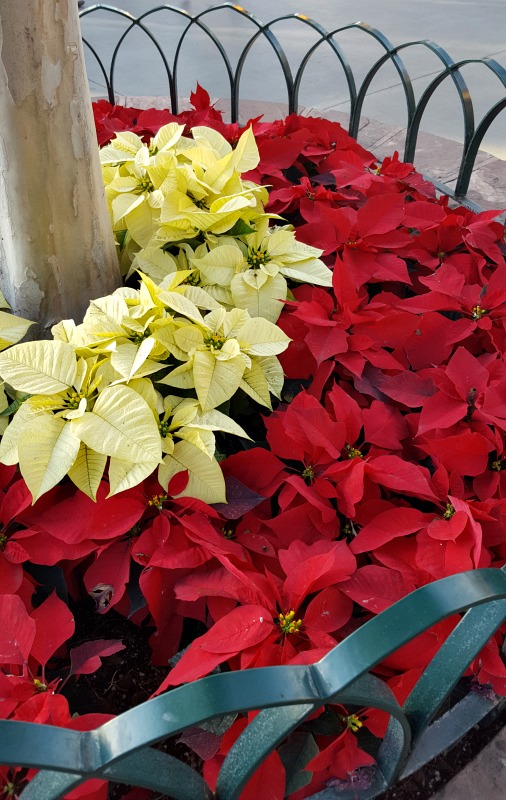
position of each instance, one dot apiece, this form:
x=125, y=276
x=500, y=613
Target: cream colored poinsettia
x=88, y=397
x=67, y=426
x=250, y=271
x=229, y=351
x=176, y=187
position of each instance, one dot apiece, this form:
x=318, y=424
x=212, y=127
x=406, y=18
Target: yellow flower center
x=449, y=511
x=138, y=338
x=158, y=500
x=256, y=257
x=478, y=312
x=193, y=279
x=39, y=685
x=146, y=186
x=352, y=722
x=308, y=474
x=353, y=452
x=215, y=341
x=73, y=398
x=495, y=465
x=288, y=623
x=163, y=427
x=349, y=529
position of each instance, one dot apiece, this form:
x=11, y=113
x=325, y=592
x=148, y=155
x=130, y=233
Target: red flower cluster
x=382, y=471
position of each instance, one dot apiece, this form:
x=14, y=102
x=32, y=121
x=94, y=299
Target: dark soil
x=128, y=678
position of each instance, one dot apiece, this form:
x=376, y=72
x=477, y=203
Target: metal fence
x=171, y=54
x=120, y=750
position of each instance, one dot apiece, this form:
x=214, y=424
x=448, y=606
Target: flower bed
x=378, y=471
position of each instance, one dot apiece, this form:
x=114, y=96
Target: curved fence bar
x=292, y=76
x=120, y=749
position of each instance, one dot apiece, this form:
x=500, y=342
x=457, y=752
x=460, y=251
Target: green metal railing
x=120, y=750
x=171, y=53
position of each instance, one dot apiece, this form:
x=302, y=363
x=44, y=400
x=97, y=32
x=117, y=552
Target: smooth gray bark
x=56, y=245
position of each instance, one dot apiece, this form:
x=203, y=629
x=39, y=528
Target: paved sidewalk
x=483, y=778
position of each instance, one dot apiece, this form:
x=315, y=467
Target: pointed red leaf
x=17, y=630
x=387, y=526
x=178, y=483
x=381, y=214
x=403, y=476
x=376, y=588
x=16, y=499
x=87, y=657
x=328, y=611
x=268, y=782
x=243, y=627
x=55, y=625
x=110, y=568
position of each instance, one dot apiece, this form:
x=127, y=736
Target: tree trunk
x=56, y=245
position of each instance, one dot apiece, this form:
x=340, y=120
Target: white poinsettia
x=177, y=187
x=251, y=271
x=65, y=419
x=223, y=353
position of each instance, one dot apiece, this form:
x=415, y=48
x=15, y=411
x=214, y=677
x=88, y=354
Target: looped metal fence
x=120, y=750
x=171, y=54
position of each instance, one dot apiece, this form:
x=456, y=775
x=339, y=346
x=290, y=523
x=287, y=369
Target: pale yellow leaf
x=216, y=381
x=255, y=384
x=201, y=439
x=219, y=265
x=206, y=480
x=3, y=301
x=153, y=261
x=124, y=204
x=266, y=301
x=87, y=470
x=9, y=444
x=311, y=271
x=200, y=297
x=188, y=337
x=182, y=305
x=216, y=421
x=45, y=367
x=12, y=329
x=4, y=403
x=123, y=474
x=47, y=448
x=211, y=138
x=273, y=372
x=181, y=378
x=121, y=425
x=128, y=358
x=147, y=391
x=262, y=338
x=168, y=136
x=246, y=155
x=143, y=220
